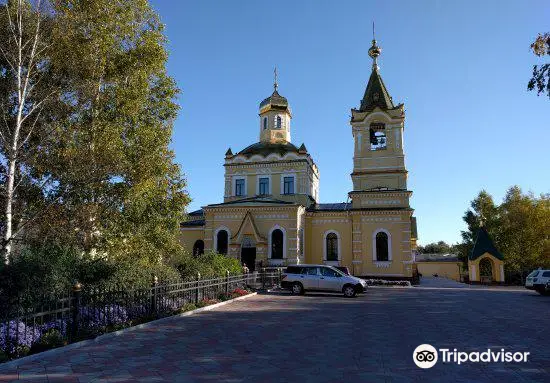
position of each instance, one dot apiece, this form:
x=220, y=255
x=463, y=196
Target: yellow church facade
x=271, y=215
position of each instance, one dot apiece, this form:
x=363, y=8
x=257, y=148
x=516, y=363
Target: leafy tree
x=525, y=238
x=101, y=177
x=483, y=211
x=519, y=227
x=541, y=73
x=440, y=247
x=122, y=192
x=28, y=96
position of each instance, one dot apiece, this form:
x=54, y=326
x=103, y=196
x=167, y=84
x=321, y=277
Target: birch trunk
x=23, y=67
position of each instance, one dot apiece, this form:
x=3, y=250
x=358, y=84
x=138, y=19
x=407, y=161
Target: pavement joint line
x=17, y=362
x=503, y=289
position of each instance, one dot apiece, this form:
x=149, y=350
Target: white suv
x=539, y=280
x=302, y=278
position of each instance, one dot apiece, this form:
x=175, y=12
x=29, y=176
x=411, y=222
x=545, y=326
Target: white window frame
x=235, y=178
x=216, y=238
x=325, y=254
x=275, y=127
x=269, y=187
x=269, y=244
x=390, y=256
x=283, y=175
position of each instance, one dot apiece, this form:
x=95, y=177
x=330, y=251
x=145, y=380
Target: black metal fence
x=86, y=312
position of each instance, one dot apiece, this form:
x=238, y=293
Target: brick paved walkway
x=282, y=338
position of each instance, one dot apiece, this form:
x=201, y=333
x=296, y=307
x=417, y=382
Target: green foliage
x=440, y=247
x=209, y=265
x=541, y=73
x=140, y=271
x=519, y=227
x=187, y=307
x=48, y=340
x=51, y=269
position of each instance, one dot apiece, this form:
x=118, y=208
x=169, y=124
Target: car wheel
x=349, y=291
x=297, y=288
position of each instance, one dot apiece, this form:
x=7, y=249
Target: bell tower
x=377, y=128
x=275, y=116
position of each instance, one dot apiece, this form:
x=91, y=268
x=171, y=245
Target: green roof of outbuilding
x=376, y=94
x=483, y=245
x=266, y=148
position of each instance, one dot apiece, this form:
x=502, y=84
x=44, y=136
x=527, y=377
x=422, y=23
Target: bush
x=239, y=292
x=50, y=339
x=187, y=307
x=16, y=338
x=383, y=282
x=207, y=302
x=209, y=265
x=49, y=269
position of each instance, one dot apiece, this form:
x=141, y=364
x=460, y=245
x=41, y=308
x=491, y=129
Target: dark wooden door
x=248, y=256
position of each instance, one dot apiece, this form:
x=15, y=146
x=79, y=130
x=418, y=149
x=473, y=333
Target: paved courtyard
x=322, y=338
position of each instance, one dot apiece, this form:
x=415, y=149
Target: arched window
x=265, y=123
x=382, y=250
x=279, y=122
x=378, y=140
x=198, y=247
x=486, y=268
x=332, y=247
x=277, y=244
x=222, y=240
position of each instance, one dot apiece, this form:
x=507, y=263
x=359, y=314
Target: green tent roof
x=376, y=94
x=483, y=245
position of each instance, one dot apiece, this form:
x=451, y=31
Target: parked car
x=539, y=280
x=343, y=269
x=302, y=278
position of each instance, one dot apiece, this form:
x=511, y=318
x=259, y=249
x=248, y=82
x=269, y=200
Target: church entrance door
x=248, y=252
x=248, y=256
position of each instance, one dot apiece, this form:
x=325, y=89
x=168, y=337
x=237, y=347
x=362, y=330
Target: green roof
x=266, y=148
x=276, y=101
x=376, y=94
x=483, y=245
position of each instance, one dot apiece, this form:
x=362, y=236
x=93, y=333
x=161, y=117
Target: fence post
x=280, y=276
x=263, y=278
x=197, y=292
x=77, y=288
x=226, y=282
x=154, y=292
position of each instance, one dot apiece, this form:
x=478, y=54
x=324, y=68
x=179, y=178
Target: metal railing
x=86, y=312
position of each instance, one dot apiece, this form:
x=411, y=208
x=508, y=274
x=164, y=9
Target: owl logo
x=425, y=356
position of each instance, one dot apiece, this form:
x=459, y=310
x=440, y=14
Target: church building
x=271, y=214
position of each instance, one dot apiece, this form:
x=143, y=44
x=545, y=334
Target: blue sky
x=461, y=68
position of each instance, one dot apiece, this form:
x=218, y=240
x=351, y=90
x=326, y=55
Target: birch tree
x=23, y=96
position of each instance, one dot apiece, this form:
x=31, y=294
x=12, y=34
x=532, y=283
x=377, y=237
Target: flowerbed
x=19, y=339
x=383, y=282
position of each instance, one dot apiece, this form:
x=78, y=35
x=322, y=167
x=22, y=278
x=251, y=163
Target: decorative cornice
x=241, y=208
x=382, y=193
x=389, y=171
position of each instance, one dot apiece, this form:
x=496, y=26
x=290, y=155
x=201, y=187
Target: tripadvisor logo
x=426, y=356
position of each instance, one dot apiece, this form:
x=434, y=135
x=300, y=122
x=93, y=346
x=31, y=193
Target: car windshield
x=341, y=273
x=533, y=273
